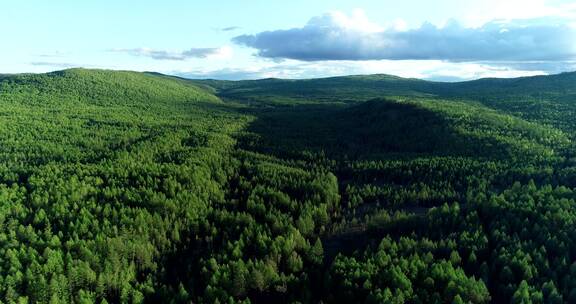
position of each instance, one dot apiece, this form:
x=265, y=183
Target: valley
x=145, y=188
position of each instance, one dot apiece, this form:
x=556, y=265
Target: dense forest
x=125, y=187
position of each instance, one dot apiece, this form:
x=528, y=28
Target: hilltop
x=363, y=87
x=102, y=86
x=544, y=99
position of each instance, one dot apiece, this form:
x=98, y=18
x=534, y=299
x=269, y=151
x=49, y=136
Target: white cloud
x=518, y=9
x=357, y=21
x=222, y=52
x=54, y=54
x=423, y=69
x=336, y=36
x=59, y=65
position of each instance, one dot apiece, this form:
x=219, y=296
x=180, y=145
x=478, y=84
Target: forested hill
x=406, y=126
x=559, y=86
x=363, y=87
x=547, y=99
x=101, y=86
x=125, y=187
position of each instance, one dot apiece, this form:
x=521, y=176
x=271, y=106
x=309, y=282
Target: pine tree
x=317, y=252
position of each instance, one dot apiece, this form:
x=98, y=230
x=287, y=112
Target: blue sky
x=440, y=40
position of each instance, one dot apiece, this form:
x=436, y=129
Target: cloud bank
x=337, y=36
x=423, y=69
x=171, y=55
x=63, y=65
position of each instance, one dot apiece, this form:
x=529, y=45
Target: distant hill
x=559, y=86
x=546, y=99
x=102, y=87
x=362, y=87
x=334, y=89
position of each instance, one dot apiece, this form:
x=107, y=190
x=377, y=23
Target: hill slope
x=544, y=99
x=406, y=127
x=364, y=87
x=145, y=188
x=101, y=87
x=100, y=172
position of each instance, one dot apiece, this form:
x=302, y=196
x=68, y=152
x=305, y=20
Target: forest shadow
x=373, y=129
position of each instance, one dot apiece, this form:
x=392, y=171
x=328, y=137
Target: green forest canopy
x=125, y=187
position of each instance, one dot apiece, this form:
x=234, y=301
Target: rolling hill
x=364, y=87
x=120, y=187
x=101, y=86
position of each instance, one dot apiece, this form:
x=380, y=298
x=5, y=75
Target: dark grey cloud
x=230, y=28
x=168, y=55
x=329, y=37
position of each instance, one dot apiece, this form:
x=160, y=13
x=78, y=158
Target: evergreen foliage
x=124, y=187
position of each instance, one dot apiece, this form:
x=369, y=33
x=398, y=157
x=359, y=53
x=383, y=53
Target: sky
x=444, y=40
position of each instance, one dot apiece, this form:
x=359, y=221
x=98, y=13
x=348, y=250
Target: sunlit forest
x=128, y=187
